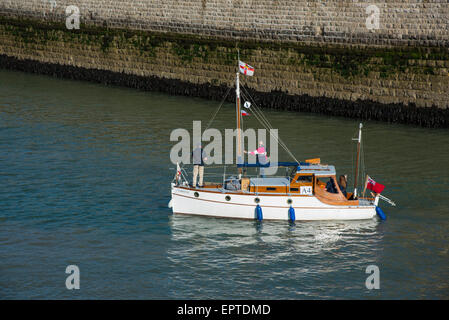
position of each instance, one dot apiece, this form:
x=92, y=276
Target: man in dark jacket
x=198, y=165
x=342, y=183
x=330, y=186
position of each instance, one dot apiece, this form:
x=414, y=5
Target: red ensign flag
x=374, y=186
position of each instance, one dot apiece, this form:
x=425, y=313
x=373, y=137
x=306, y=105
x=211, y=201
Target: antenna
x=359, y=141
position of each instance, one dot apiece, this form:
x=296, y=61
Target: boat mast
x=359, y=141
x=237, y=91
x=238, y=117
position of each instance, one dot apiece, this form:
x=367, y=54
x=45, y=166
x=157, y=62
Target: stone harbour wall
x=401, y=22
x=309, y=55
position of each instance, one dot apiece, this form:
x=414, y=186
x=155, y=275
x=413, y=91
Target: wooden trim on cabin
x=335, y=199
x=300, y=174
x=239, y=192
x=212, y=186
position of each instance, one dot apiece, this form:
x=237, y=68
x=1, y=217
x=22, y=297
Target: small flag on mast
x=244, y=113
x=246, y=69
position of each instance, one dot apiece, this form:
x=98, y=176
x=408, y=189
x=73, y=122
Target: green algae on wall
x=347, y=61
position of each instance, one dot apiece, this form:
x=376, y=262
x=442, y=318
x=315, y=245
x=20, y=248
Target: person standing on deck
x=198, y=165
x=261, y=157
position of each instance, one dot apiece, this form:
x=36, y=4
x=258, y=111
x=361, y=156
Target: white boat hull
x=274, y=207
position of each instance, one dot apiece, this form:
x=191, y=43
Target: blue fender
x=259, y=214
x=380, y=213
x=291, y=214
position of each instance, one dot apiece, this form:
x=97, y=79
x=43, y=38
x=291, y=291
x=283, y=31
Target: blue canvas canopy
x=317, y=169
x=266, y=165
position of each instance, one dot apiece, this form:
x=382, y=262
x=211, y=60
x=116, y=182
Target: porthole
x=196, y=194
x=256, y=200
x=289, y=201
x=228, y=198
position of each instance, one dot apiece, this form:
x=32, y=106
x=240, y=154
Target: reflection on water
x=249, y=253
x=308, y=238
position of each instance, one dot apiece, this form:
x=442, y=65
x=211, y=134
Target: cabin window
x=294, y=189
x=304, y=179
x=271, y=189
x=329, y=184
x=196, y=194
x=228, y=198
x=289, y=201
x=256, y=200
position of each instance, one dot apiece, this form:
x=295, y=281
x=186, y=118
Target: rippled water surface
x=85, y=176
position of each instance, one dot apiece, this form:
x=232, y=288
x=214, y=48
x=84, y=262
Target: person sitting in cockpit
x=342, y=184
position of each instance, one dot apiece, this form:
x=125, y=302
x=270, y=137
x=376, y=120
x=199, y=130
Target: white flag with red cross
x=246, y=69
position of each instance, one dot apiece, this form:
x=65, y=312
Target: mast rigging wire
x=218, y=109
x=264, y=121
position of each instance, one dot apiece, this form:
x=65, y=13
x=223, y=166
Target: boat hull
x=274, y=207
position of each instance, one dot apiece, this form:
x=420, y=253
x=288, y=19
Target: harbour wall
x=309, y=55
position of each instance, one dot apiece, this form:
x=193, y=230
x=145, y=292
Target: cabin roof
x=317, y=169
x=268, y=182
